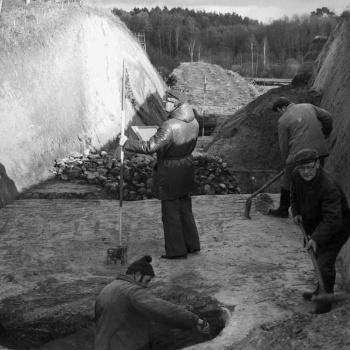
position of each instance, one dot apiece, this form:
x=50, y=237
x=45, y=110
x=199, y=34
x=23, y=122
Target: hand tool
x=248, y=203
x=322, y=296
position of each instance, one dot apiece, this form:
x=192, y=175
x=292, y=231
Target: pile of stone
x=212, y=175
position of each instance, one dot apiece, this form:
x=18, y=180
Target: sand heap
x=225, y=91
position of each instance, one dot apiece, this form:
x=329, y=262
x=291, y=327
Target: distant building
x=141, y=37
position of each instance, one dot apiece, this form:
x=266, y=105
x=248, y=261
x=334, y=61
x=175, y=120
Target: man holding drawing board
x=174, y=143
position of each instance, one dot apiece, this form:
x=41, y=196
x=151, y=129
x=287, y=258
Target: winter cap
x=142, y=265
x=305, y=156
x=176, y=94
x=280, y=102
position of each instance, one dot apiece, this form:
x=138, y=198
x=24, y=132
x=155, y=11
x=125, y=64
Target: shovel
x=322, y=296
x=248, y=203
x=319, y=278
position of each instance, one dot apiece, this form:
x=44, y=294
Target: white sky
x=261, y=10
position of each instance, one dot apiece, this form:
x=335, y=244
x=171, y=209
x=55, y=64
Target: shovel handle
x=248, y=203
x=322, y=289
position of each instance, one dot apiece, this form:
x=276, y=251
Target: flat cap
x=305, y=156
x=280, y=102
x=177, y=94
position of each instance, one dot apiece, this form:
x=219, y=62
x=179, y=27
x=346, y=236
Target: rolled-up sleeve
x=283, y=138
x=325, y=119
x=162, y=311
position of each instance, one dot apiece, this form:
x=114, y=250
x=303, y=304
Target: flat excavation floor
x=54, y=264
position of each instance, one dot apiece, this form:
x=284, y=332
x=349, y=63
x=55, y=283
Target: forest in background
x=246, y=46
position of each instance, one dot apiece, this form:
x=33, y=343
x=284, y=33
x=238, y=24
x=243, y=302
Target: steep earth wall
x=332, y=80
x=61, y=91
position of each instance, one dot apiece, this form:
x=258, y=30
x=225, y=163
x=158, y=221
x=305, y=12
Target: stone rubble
x=212, y=175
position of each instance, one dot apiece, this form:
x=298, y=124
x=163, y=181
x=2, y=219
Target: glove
x=203, y=326
x=311, y=245
x=122, y=140
x=298, y=220
x=206, y=327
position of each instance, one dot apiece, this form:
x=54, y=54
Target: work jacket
x=303, y=126
x=174, y=143
x=323, y=207
x=123, y=313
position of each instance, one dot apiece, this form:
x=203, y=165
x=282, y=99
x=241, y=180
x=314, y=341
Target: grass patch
x=22, y=24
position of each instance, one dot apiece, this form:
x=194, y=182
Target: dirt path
x=54, y=265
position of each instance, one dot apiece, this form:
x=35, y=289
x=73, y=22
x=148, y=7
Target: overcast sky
x=262, y=10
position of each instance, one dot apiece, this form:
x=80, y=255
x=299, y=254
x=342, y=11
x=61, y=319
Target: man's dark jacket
x=174, y=143
x=323, y=207
x=123, y=313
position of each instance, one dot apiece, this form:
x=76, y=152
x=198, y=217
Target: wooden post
x=204, y=102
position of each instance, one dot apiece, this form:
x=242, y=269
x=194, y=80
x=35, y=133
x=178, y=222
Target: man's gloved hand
x=203, y=326
x=298, y=219
x=122, y=140
x=311, y=245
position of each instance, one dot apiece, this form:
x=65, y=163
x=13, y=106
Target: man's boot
x=309, y=295
x=282, y=211
x=322, y=307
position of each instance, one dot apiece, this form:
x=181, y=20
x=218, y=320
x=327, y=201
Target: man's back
x=299, y=128
x=118, y=324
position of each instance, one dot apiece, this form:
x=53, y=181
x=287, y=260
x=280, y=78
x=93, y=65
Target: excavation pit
x=167, y=338
x=76, y=332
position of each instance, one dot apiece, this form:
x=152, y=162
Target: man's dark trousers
x=180, y=230
x=326, y=262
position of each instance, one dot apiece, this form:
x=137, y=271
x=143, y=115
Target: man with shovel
x=301, y=125
x=320, y=206
x=125, y=308
x=174, y=143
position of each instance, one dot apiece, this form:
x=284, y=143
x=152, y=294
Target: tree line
x=247, y=46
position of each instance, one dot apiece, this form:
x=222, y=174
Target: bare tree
x=252, y=54
x=192, y=32
x=178, y=24
x=264, y=53
x=191, y=46
x=257, y=60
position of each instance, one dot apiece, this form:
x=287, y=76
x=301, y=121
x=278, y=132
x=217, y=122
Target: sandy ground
x=54, y=264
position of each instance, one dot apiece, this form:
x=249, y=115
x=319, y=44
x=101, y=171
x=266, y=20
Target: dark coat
x=174, y=143
x=323, y=207
x=124, y=310
x=303, y=126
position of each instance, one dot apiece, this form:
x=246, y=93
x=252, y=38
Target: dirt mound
x=225, y=91
x=302, y=332
x=61, y=86
x=249, y=139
